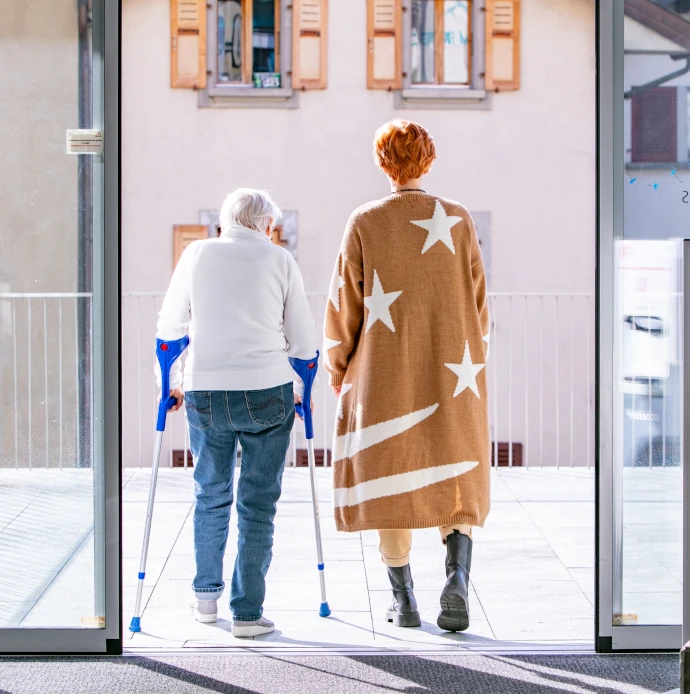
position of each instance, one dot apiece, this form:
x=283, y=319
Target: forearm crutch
x=306, y=369
x=167, y=351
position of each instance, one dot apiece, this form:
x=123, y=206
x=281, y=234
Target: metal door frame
x=610, y=177
x=106, y=50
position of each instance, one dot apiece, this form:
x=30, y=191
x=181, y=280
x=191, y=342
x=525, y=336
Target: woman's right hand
x=336, y=390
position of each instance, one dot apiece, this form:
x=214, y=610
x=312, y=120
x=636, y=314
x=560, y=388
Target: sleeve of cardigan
x=480, y=291
x=345, y=308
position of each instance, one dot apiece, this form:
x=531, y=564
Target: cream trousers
x=395, y=545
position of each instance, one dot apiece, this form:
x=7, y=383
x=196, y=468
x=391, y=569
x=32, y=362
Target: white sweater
x=248, y=314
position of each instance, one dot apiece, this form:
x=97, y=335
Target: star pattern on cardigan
x=346, y=388
x=379, y=305
x=334, y=293
x=439, y=227
x=466, y=373
x=328, y=344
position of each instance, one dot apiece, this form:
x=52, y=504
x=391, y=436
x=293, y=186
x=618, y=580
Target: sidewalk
x=532, y=572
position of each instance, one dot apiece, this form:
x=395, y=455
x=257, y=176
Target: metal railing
x=540, y=377
x=39, y=373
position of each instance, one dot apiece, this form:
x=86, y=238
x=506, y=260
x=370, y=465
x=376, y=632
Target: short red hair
x=403, y=150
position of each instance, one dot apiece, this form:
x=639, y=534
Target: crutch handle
x=306, y=369
x=167, y=351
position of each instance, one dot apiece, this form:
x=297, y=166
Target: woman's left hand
x=178, y=394
x=298, y=400
x=336, y=390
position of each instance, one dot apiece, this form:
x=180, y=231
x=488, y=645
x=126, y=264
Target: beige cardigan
x=407, y=336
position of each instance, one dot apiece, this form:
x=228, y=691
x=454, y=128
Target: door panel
x=643, y=164
x=59, y=330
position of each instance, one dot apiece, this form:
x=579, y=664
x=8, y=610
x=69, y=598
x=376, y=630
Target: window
x=443, y=53
x=654, y=125
x=259, y=51
x=441, y=42
x=248, y=42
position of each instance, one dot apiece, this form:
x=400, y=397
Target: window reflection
x=456, y=42
x=423, y=41
x=648, y=341
x=229, y=41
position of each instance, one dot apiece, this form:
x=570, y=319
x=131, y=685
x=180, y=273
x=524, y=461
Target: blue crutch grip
x=306, y=369
x=167, y=351
x=135, y=624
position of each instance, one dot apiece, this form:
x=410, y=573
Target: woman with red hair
x=406, y=340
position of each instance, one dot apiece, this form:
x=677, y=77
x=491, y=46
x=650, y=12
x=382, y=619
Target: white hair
x=254, y=209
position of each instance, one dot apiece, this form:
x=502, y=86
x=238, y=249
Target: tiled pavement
x=532, y=570
x=532, y=573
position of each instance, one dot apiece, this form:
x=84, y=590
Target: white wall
x=529, y=161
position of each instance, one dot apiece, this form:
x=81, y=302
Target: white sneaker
x=205, y=611
x=246, y=630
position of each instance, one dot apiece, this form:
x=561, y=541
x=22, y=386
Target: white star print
x=328, y=344
x=439, y=227
x=487, y=339
x=466, y=373
x=378, y=304
x=334, y=294
x=352, y=442
x=347, y=387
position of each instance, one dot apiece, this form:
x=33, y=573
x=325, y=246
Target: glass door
x=644, y=179
x=59, y=328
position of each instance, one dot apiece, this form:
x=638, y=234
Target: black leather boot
x=455, y=603
x=403, y=611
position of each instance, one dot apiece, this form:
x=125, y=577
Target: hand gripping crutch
x=306, y=369
x=167, y=352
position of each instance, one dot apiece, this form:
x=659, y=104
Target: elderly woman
x=406, y=339
x=243, y=300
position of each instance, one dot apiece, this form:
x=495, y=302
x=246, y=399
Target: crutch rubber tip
x=135, y=624
x=324, y=610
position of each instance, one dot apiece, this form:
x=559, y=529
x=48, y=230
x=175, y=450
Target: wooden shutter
x=183, y=235
x=502, y=44
x=310, y=48
x=654, y=124
x=188, y=44
x=384, y=44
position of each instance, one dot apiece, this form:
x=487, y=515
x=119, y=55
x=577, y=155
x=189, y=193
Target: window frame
x=471, y=95
x=245, y=94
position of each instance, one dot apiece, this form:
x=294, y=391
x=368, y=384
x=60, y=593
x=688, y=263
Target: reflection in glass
x=264, y=36
x=229, y=41
x=423, y=41
x=648, y=341
x=51, y=461
x=456, y=33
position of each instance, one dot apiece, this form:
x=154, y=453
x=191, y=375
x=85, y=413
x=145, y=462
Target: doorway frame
x=107, y=640
x=610, y=225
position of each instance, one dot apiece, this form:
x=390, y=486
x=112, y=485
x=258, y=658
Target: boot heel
x=407, y=619
x=454, y=614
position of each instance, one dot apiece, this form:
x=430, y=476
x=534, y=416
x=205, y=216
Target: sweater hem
x=256, y=379
x=457, y=519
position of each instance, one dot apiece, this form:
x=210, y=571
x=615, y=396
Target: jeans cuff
x=242, y=618
x=208, y=594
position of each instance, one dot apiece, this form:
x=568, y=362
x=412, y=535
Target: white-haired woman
x=243, y=299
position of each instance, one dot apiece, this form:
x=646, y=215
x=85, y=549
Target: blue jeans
x=261, y=420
